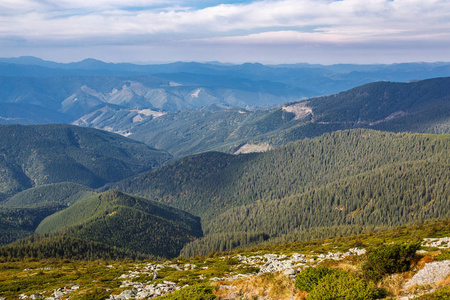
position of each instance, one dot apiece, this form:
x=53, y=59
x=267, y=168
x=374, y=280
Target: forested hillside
x=127, y=222
x=422, y=106
x=64, y=193
x=21, y=214
x=285, y=171
x=390, y=196
x=358, y=177
x=35, y=155
x=16, y=223
x=58, y=246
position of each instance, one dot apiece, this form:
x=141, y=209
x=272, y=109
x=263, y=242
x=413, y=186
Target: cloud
x=264, y=22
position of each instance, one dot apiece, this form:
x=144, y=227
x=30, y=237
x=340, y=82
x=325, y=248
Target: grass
x=270, y=285
x=45, y=276
x=379, y=236
x=440, y=294
x=99, y=278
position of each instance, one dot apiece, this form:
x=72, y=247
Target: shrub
x=388, y=259
x=345, y=286
x=194, y=292
x=93, y=294
x=309, y=278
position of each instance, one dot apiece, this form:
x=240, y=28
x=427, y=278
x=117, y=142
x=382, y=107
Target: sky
x=265, y=31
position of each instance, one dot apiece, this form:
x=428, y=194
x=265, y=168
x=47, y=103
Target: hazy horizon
x=219, y=62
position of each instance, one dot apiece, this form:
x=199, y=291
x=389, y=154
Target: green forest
x=344, y=182
x=44, y=154
x=352, y=180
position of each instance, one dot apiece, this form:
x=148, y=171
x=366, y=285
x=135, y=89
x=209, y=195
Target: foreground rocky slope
x=266, y=272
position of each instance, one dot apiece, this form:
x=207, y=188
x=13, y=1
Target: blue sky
x=266, y=31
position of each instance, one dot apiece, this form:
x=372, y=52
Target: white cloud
x=113, y=19
x=257, y=22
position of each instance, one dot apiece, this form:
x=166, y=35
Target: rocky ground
x=151, y=280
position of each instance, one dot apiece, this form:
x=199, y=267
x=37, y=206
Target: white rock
x=432, y=273
x=127, y=294
x=289, y=272
x=58, y=294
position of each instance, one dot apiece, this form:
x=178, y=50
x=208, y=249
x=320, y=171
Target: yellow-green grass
x=99, y=278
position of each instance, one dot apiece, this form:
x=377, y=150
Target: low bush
x=309, y=278
x=388, y=259
x=92, y=294
x=345, y=286
x=194, y=292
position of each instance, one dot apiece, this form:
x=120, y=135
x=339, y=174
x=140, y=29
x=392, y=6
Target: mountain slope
x=127, y=222
x=16, y=223
x=360, y=178
x=37, y=155
x=190, y=132
x=398, y=193
x=64, y=193
x=21, y=214
x=289, y=170
x=422, y=106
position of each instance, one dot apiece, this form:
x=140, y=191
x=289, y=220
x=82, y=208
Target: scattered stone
x=143, y=295
x=217, y=279
x=127, y=294
x=58, y=294
x=441, y=243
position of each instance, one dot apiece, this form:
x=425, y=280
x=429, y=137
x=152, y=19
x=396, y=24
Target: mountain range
x=35, y=91
x=180, y=178
x=344, y=182
x=422, y=106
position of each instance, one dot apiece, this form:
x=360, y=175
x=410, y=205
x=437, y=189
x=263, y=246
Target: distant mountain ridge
x=67, y=98
x=420, y=106
x=66, y=92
